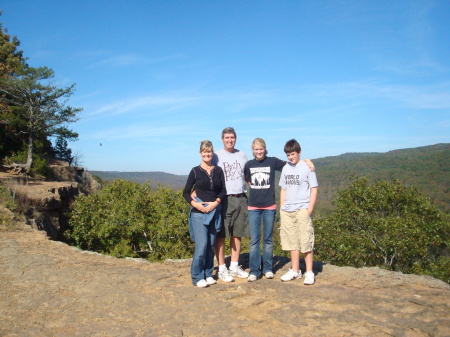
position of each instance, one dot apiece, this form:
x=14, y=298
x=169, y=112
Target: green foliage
x=388, y=225
x=130, y=219
x=62, y=151
x=427, y=168
x=30, y=105
x=6, y=199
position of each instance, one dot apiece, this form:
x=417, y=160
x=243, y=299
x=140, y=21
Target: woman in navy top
x=205, y=218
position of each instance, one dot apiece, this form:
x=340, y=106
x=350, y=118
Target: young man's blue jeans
x=204, y=237
x=254, y=220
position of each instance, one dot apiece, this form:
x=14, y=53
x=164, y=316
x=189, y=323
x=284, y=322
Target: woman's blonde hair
x=260, y=142
x=206, y=145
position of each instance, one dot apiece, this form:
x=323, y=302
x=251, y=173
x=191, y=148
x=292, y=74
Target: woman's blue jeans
x=204, y=237
x=254, y=220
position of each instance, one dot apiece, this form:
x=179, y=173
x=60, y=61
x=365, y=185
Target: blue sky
x=154, y=78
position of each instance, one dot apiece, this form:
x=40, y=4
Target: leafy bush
x=39, y=167
x=388, y=225
x=130, y=219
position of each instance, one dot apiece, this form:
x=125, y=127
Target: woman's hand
x=199, y=206
x=211, y=206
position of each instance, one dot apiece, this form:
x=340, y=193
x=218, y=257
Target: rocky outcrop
x=46, y=203
x=86, y=183
x=51, y=289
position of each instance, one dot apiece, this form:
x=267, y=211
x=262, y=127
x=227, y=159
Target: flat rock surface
x=51, y=289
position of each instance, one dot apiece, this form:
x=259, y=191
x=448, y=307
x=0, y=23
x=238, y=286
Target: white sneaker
x=309, y=278
x=291, y=275
x=268, y=275
x=210, y=280
x=202, y=284
x=251, y=278
x=225, y=276
x=238, y=272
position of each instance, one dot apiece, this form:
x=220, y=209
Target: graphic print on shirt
x=260, y=177
x=233, y=171
x=292, y=179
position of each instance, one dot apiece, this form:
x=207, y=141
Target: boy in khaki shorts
x=297, y=199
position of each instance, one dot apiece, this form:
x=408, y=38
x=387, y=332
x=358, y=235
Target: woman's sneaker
x=202, y=284
x=238, y=272
x=309, y=278
x=210, y=280
x=268, y=275
x=225, y=276
x=291, y=275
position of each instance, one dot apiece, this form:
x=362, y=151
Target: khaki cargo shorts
x=297, y=231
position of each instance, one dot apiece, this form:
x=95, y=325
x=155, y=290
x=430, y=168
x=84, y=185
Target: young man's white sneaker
x=238, y=272
x=291, y=275
x=225, y=276
x=309, y=278
x=202, y=284
x=210, y=280
x=268, y=275
x=251, y=278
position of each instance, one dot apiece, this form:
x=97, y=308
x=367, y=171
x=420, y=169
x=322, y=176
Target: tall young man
x=232, y=162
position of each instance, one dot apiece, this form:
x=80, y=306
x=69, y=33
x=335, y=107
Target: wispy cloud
x=142, y=131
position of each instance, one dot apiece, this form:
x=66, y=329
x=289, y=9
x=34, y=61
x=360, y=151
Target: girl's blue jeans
x=204, y=237
x=254, y=220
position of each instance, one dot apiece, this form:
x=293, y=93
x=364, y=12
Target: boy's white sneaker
x=309, y=278
x=238, y=272
x=210, y=280
x=291, y=275
x=225, y=276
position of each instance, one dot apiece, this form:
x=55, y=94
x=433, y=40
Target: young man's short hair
x=292, y=146
x=229, y=130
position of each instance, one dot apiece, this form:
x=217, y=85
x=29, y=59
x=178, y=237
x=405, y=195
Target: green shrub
x=388, y=225
x=39, y=166
x=130, y=219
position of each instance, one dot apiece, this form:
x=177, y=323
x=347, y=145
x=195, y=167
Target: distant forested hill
x=155, y=178
x=426, y=168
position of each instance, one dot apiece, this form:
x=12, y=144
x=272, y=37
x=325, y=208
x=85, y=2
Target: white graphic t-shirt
x=232, y=165
x=297, y=180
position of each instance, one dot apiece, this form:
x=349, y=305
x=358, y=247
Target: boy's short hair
x=292, y=146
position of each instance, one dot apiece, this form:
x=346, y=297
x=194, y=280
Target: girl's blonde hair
x=260, y=142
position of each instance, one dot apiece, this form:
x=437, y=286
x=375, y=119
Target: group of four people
x=216, y=191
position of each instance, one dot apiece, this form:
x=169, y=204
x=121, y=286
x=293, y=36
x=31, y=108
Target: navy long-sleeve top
x=208, y=187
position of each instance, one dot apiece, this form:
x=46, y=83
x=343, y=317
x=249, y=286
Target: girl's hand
x=310, y=164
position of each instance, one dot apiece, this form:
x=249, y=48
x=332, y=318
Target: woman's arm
x=188, y=190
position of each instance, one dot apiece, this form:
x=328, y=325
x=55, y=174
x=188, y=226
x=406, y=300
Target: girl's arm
x=310, y=164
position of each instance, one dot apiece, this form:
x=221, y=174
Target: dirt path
x=51, y=289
